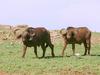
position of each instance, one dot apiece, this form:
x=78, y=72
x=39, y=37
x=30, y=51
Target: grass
x=12, y=63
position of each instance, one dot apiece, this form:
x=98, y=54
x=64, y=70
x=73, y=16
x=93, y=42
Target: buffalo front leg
x=24, y=51
x=35, y=51
x=73, y=48
x=65, y=45
x=44, y=49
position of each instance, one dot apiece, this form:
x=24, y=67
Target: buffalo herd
x=40, y=36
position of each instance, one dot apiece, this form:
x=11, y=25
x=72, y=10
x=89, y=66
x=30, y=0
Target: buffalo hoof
x=62, y=55
x=84, y=55
x=73, y=55
x=37, y=57
x=89, y=54
x=23, y=57
x=42, y=57
x=53, y=55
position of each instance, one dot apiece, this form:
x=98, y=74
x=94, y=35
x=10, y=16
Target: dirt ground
x=60, y=72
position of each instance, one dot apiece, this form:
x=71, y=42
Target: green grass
x=11, y=61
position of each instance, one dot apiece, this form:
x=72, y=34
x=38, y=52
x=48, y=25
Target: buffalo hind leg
x=73, y=48
x=85, y=45
x=35, y=51
x=52, y=49
x=51, y=46
x=89, y=49
x=24, y=51
x=88, y=46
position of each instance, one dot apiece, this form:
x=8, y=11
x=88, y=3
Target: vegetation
x=12, y=63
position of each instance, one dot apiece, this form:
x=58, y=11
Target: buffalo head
x=69, y=33
x=31, y=34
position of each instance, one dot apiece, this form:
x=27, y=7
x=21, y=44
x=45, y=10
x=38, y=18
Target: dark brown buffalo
x=74, y=36
x=33, y=37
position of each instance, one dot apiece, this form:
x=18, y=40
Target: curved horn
x=33, y=34
x=63, y=31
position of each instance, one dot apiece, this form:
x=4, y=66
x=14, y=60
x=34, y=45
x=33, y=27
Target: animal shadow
x=50, y=57
x=94, y=55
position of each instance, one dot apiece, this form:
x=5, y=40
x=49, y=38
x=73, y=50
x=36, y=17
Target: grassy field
x=11, y=62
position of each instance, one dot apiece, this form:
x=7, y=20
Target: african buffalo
x=33, y=37
x=74, y=36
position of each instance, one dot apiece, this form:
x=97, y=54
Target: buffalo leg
x=88, y=46
x=24, y=51
x=51, y=46
x=73, y=48
x=89, y=49
x=35, y=51
x=65, y=45
x=44, y=50
x=85, y=45
x=52, y=49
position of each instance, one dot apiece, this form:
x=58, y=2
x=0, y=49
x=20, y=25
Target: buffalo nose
x=30, y=39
